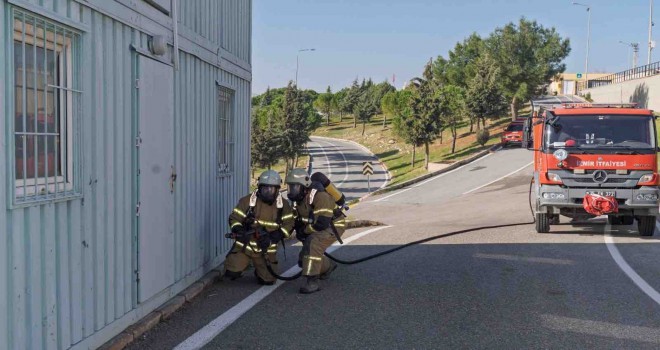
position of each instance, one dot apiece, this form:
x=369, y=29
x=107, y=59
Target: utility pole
x=635, y=50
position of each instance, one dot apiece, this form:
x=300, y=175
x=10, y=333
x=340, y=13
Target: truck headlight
x=646, y=178
x=554, y=177
x=561, y=154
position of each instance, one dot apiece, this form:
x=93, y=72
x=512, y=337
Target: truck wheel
x=614, y=220
x=646, y=225
x=627, y=220
x=542, y=223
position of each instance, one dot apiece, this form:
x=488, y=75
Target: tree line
x=480, y=79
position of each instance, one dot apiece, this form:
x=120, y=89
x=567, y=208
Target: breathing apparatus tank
x=331, y=189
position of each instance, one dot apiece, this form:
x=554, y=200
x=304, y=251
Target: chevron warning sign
x=367, y=169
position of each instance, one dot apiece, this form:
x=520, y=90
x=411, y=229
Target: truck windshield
x=614, y=132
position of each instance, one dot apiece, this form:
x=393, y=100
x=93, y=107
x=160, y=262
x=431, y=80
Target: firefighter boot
x=326, y=275
x=311, y=286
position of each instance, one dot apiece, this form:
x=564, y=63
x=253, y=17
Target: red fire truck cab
x=594, y=149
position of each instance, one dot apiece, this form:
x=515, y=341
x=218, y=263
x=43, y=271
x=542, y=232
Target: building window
x=46, y=108
x=225, y=130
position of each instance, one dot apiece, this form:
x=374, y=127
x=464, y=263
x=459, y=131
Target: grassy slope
x=398, y=155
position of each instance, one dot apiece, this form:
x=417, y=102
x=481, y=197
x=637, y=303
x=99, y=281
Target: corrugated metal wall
x=201, y=16
x=66, y=269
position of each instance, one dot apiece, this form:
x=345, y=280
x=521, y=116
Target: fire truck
x=589, y=152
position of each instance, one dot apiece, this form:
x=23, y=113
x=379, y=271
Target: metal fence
x=630, y=74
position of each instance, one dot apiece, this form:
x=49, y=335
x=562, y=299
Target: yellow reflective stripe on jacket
x=287, y=217
x=239, y=212
x=267, y=223
x=286, y=233
x=309, y=227
x=315, y=258
x=324, y=211
x=236, y=224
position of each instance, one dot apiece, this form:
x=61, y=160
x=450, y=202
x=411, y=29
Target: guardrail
x=630, y=74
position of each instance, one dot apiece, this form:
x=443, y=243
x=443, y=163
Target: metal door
x=156, y=177
x=569, y=87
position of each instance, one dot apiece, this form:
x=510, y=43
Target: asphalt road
x=559, y=99
x=587, y=286
x=342, y=162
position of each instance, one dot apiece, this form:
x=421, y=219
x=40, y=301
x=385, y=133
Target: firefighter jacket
x=252, y=213
x=318, y=205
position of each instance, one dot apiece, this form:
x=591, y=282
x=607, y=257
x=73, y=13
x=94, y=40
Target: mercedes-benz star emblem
x=600, y=176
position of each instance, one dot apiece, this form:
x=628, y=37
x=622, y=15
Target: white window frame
x=226, y=142
x=62, y=186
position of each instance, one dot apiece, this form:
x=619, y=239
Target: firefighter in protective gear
x=319, y=223
x=258, y=223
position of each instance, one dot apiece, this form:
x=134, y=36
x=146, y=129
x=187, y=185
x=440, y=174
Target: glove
x=240, y=234
x=276, y=236
x=264, y=240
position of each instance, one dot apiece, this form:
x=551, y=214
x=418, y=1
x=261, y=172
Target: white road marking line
x=634, y=276
x=433, y=178
x=338, y=184
x=494, y=181
x=393, y=194
x=366, y=150
x=213, y=329
x=327, y=159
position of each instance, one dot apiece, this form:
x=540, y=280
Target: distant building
x=124, y=147
x=566, y=83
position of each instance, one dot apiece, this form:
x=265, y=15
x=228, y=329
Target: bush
x=482, y=136
x=588, y=97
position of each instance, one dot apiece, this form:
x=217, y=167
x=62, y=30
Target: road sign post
x=368, y=170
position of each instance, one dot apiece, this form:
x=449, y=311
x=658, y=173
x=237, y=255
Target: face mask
x=267, y=194
x=295, y=192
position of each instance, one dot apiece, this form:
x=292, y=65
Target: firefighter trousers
x=239, y=259
x=311, y=259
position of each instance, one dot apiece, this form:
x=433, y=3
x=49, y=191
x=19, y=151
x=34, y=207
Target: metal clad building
x=119, y=158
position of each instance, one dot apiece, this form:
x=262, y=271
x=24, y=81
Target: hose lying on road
x=444, y=235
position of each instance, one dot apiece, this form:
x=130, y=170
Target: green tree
x=407, y=127
x=340, y=103
x=425, y=107
x=298, y=122
x=266, y=140
x=484, y=97
x=529, y=56
x=452, y=110
x=323, y=103
x=351, y=99
x=459, y=68
x=365, y=108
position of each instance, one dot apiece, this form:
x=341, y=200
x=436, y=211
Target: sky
x=385, y=38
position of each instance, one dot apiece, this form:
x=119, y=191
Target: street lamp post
x=586, y=64
x=297, y=61
x=648, y=60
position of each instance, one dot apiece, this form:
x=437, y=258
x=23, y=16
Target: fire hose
x=421, y=241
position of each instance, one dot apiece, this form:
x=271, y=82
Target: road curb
x=164, y=312
x=435, y=173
